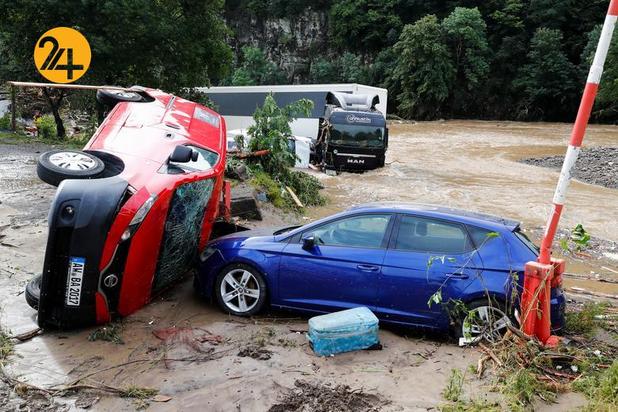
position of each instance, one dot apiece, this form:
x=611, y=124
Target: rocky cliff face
x=291, y=43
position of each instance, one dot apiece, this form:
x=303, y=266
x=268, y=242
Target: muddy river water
x=462, y=164
x=473, y=165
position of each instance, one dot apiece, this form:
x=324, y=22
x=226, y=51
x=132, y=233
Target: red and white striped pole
x=535, y=301
x=579, y=130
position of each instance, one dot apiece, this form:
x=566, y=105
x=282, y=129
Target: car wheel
x=57, y=165
x=240, y=290
x=33, y=291
x=110, y=97
x=483, y=321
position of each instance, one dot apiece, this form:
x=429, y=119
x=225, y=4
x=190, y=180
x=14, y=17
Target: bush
x=583, y=322
x=5, y=122
x=46, y=126
x=271, y=132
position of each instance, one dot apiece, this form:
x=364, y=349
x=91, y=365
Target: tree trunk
x=55, y=104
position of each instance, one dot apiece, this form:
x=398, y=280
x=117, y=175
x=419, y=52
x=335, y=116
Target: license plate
x=75, y=279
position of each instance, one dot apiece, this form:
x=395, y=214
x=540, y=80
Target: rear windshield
x=526, y=240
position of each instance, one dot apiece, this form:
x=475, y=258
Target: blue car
x=413, y=265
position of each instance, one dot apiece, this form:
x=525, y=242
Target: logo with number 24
x=62, y=55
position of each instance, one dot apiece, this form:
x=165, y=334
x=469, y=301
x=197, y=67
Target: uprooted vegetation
x=270, y=161
x=525, y=371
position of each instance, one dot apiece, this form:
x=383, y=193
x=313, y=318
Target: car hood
x=267, y=232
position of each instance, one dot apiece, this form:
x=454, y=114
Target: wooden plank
x=294, y=197
x=13, y=109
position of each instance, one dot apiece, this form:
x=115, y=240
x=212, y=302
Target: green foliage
x=548, y=79
x=454, y=387
x=364, y=25
x=6, y=346
x=46, y=126
x=465, y=33
x=583, y=322
x=601, y=389
x=5, y=122
x=578, y=238
x=424, y=71
x=167, y=44
x=256, y=69
x=348, y=68
x=271, y=132
x=521, y=388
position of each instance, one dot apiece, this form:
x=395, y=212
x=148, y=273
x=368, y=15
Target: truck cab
x=353, y=135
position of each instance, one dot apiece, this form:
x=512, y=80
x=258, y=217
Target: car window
x=358, y=231
x=479, y=235
x=429, y=235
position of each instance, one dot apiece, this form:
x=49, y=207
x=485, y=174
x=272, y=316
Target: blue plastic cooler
x=344, y=331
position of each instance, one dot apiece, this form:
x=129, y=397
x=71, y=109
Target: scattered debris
x=108, y=333
x=316, y=397
x=256, y=352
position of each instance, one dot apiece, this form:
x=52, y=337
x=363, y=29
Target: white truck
x=347, y=124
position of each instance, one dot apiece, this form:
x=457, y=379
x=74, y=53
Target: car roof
x=440, y=212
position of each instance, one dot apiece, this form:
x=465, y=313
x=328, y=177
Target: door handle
x=457, y=276
x=368, y=268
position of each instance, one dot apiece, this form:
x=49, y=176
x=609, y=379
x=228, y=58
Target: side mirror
x=309, y=242
x=183, y=154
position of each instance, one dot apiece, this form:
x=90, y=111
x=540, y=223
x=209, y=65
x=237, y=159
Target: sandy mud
x=200, y=359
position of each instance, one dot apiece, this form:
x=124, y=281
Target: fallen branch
x=247, y=155
x=22, y=337
x=490, y=353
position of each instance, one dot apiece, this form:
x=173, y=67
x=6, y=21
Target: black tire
x=33, y=291
x=500, y=306
x=53, y=173
x=110, y=97
x=257, y=278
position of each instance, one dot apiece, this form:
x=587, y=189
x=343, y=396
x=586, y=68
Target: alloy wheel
x=240, y=290
x=485, y=322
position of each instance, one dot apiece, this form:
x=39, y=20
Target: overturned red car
x=133, y=209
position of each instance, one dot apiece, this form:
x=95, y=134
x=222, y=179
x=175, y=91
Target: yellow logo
x=62, y=55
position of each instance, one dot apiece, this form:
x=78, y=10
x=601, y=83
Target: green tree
x=548, y=80
x=256, y=69
x=465, y=33
x=168, y=44
x=348, y=68
x=364, y=25
x=424, y=71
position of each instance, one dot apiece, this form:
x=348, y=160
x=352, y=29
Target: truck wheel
x=33, y=291
x=57, y=165
x=112, y=97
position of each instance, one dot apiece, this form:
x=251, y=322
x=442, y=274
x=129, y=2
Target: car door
x=341, y=271
x=425, y=256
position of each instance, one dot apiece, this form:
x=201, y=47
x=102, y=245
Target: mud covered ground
x=596, y=165
x=199, y=359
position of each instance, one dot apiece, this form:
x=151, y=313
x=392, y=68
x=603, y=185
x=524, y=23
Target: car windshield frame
x=523, y=238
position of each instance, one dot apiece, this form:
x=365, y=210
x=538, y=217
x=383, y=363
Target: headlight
x=139, y=217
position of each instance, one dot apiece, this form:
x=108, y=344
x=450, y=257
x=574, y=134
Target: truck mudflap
x=80, y=217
